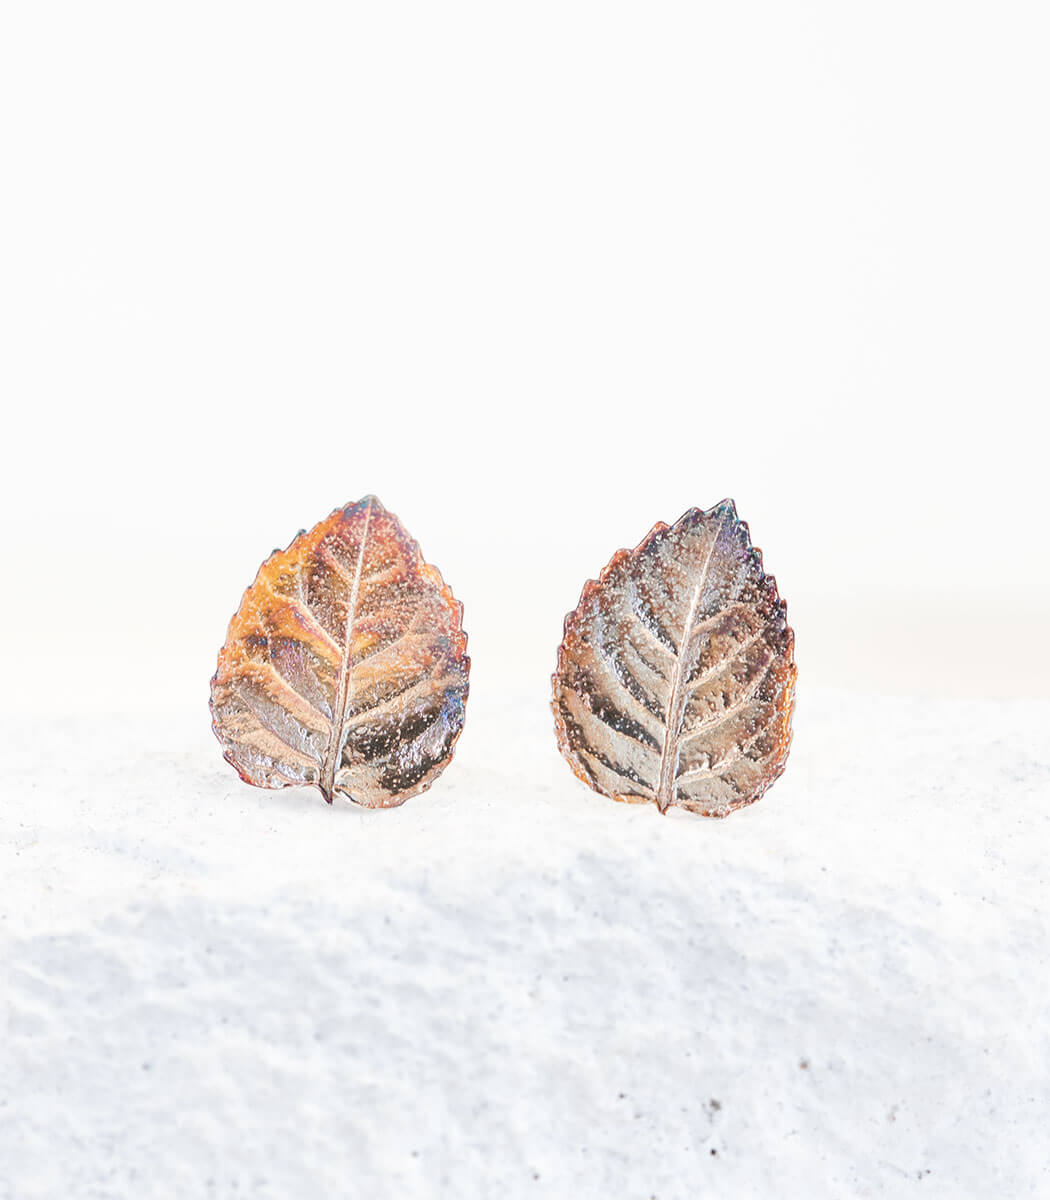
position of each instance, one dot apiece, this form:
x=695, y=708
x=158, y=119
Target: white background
x=538, y=275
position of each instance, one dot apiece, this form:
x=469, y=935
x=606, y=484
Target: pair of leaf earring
x=345, y=667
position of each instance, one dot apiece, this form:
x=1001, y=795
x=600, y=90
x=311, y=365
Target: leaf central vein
x=334, y=751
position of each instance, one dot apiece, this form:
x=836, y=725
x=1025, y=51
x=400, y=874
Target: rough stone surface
x=513, y=988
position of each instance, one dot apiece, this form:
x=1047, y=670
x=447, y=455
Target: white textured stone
x=512, y=986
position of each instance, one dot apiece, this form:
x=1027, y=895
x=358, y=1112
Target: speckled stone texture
x=518, y=989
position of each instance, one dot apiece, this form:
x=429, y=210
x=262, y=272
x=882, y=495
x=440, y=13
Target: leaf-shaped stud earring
x=676, y=675
x=345, y=666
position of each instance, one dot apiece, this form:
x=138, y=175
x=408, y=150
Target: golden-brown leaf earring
x=345, y=666
x=676, y=675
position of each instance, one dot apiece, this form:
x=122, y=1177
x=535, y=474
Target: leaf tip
x=724, y=511
x=367, y=501
x=724, y=508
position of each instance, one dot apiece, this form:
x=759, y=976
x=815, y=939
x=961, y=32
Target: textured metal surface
x=345, y=666
x=676, y=675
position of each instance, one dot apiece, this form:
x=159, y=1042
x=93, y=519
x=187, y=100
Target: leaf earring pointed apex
x=345, y=666
x=675, y=681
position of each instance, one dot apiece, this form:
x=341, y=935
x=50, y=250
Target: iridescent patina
x=345, y=666
x=676, y=675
